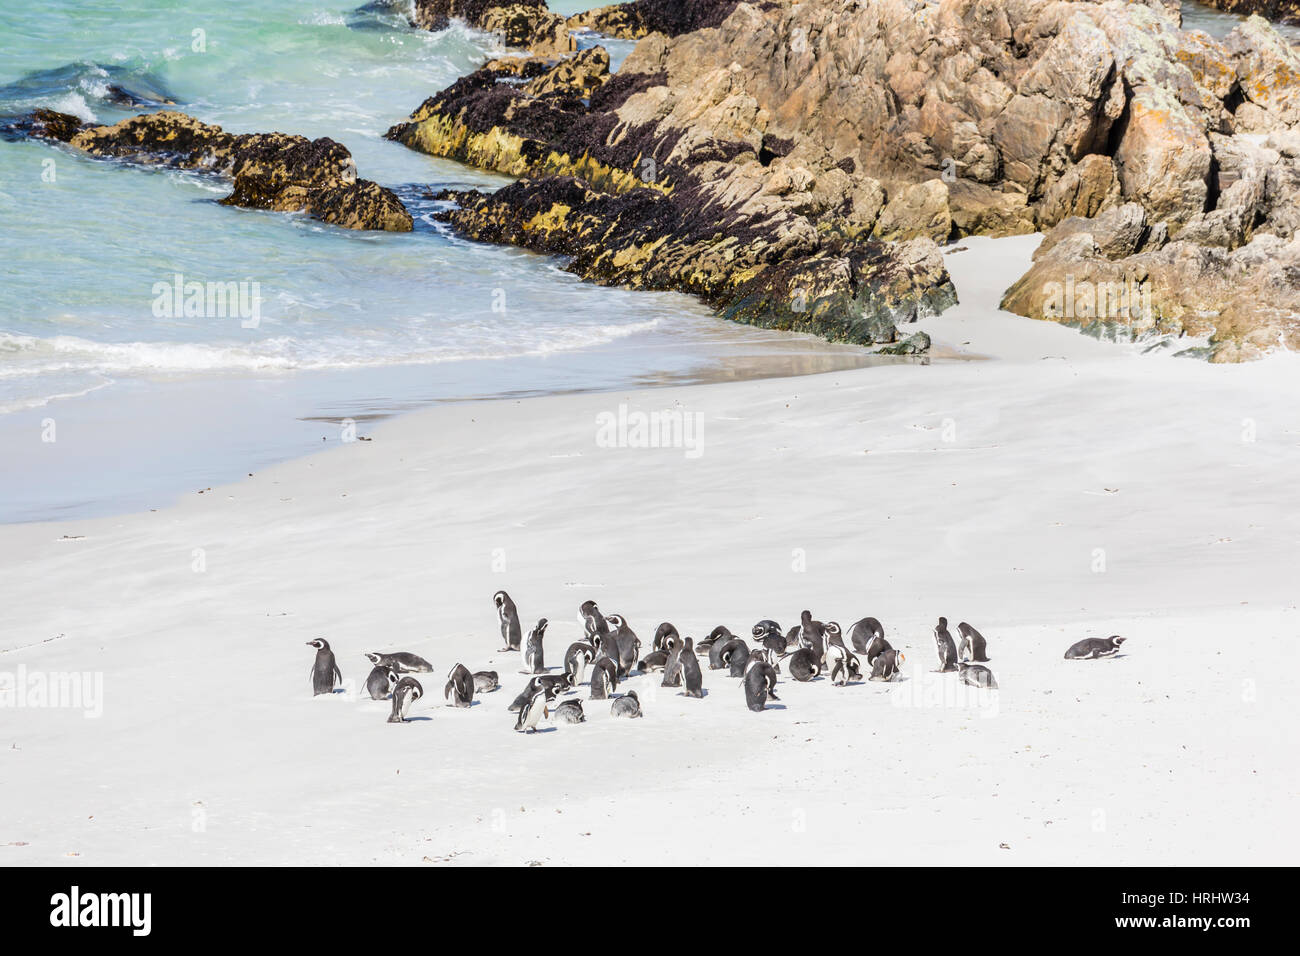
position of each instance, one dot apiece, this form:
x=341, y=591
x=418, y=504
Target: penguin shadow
x=411, y=720
x=775, y=707
x=543, y=730
x=704, y=692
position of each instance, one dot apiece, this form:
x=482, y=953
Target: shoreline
x=249, y=422
x=842, y=492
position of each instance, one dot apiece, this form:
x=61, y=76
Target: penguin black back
x=325, y=673
x=692, y=679
x=508, y=617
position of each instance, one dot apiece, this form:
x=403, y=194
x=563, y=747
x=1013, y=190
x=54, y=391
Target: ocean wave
x=28, y=356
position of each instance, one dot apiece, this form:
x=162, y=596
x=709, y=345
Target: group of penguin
x=610, y=648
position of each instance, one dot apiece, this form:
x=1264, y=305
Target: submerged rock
x=275, y=171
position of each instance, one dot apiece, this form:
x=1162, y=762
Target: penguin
x=557, y=682
x=533, y=649
x=626, y=645
x=1091, y=648
x=885, y=666
x=654, y=661
x=719, y=635
x=812, y=635
x=768, y=634
x=593, y=622
x=406, y=693
x=604, y=678
x=877, y=646
x=576, y=659
x=662, y=633
x=692, y=679
x=759, y=683
x=947, y=649
x=805, y=665
x=629, y=705
x=863, y=633
x=509, y=618
x=792, y=637
x=673, y=666
x=833, y=634
x=570, y=712
x=380, y=682
x=525, y=696
x=531, y=714
x=401, y=661
x=325, y=671
x=843, y=663
x=735, y=656
x=716, y=647
x=972, y=646
x=977, y=675
x=485, y=682
x=460, y=686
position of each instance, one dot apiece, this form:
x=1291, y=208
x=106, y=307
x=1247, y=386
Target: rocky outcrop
x=744, y=143
x=273, y=171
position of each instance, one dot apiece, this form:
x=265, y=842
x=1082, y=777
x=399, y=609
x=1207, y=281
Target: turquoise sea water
x=348, y=324
x=144, y=406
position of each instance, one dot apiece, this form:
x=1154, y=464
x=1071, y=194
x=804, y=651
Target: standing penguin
x=524, y=696
x=533, y=649
x=629, y=705
x=885, y=666
x=576, y=659
x=485, y=682
x=625, y=644
x=947, y=649
x=735, y=657
x=604, y=678
x=843, y=663
x=792, y=637
x=380, y=682
x=662, y=633
x=805, y=664
x=531, y=714
x=509, y=618
x=768, y=634
x=812, y=635
x=673, y=667
x=863, y=633
x=759, y=682
x=716, y=648
x=401, y=661
x=593, y=622
x=692, y=679
x=325, y=671
x=570, y=712
x=1092, y=648
x=406, y=693
x=972, y=646
x=977, y=675
x=460, y=686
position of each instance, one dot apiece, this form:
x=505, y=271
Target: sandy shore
x=1065, y=489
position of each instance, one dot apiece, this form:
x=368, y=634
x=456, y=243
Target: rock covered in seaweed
x=274, y=171
x=740, y=136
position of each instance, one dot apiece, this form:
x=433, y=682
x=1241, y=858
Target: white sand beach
x=1058, y=489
